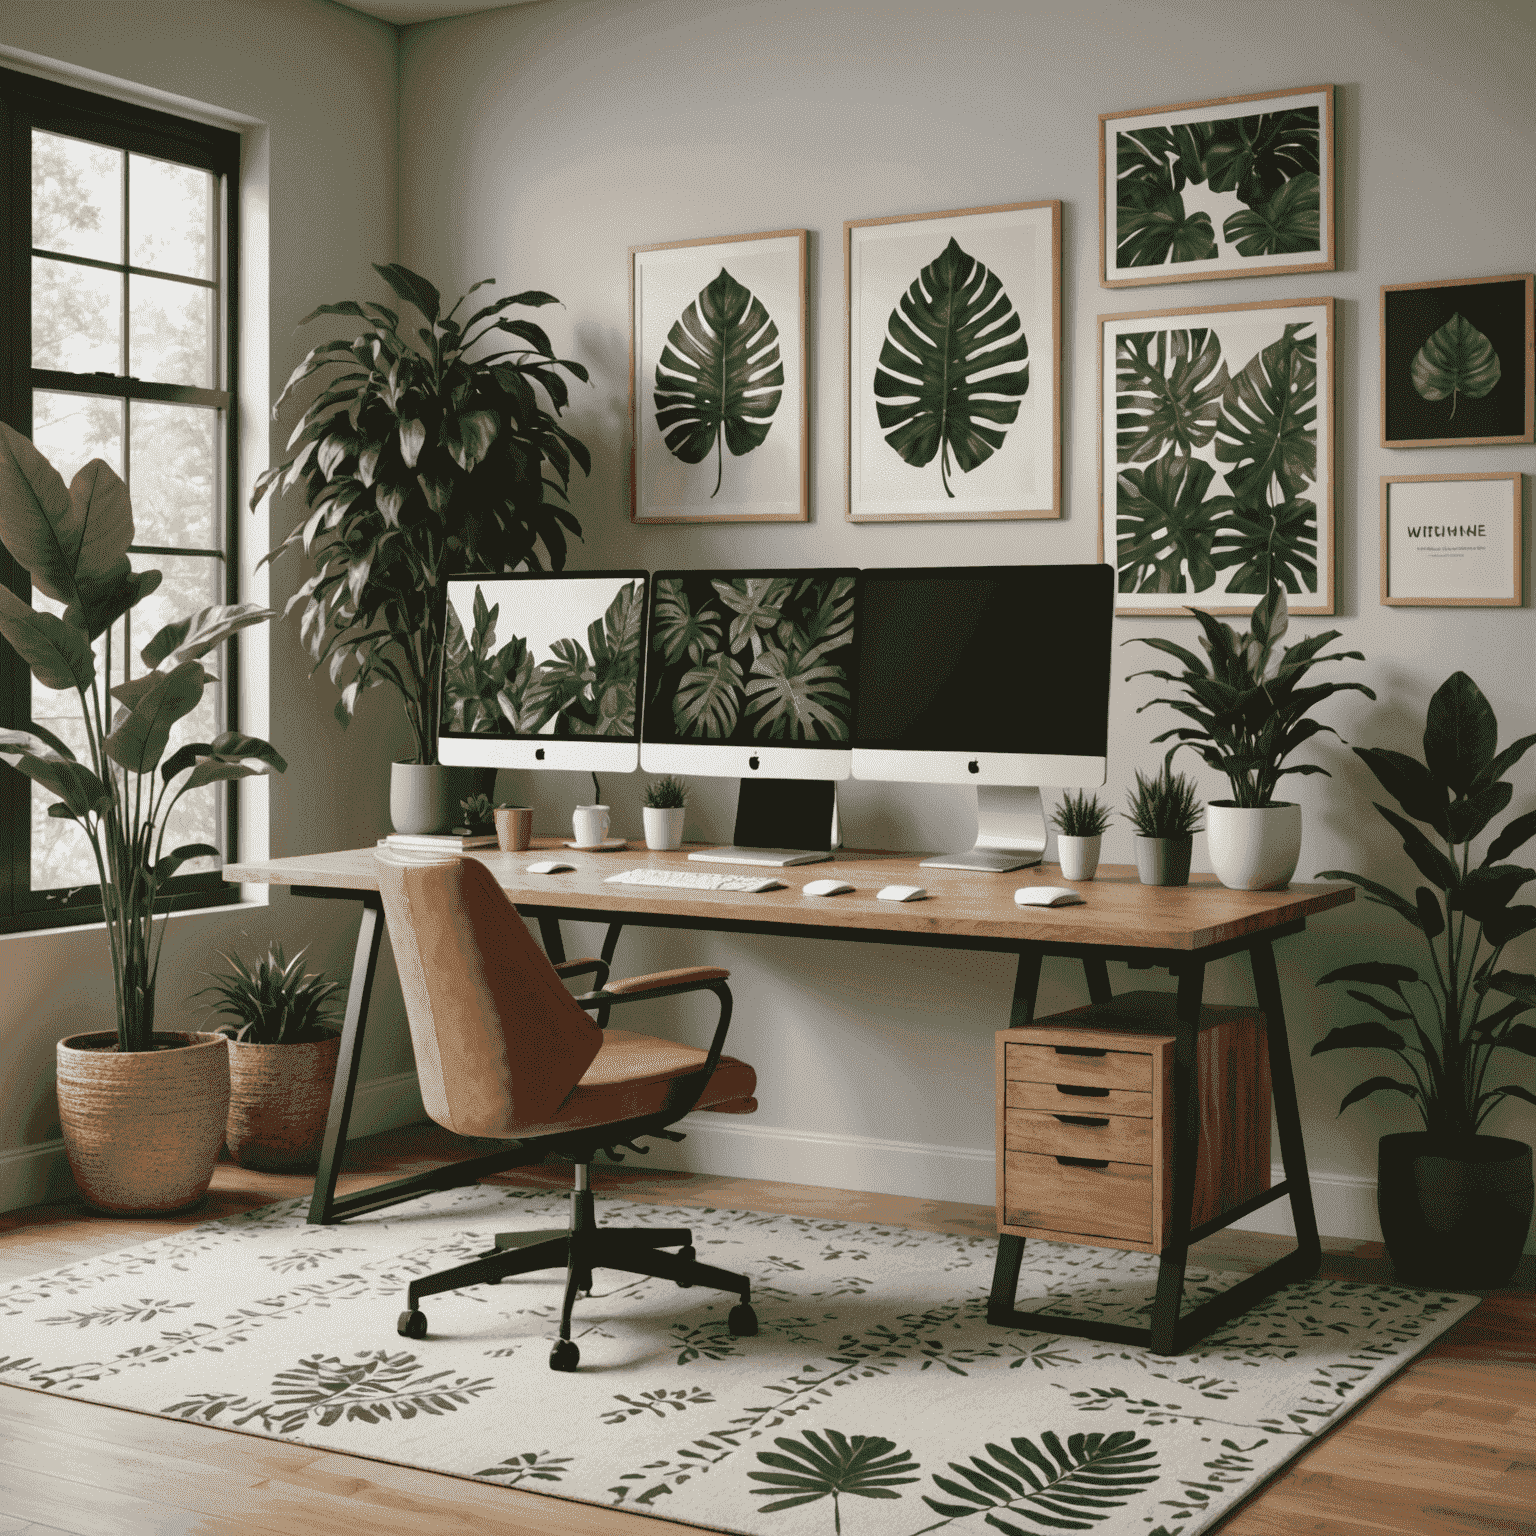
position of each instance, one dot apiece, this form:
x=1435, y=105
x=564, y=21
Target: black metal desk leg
x=554, y=945
x=1097, y=972
x=365, y=958
x=1025, y=985
x=611, y=942
x=1005, y=1278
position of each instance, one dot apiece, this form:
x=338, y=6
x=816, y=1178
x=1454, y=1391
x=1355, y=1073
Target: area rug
x=875, y=1399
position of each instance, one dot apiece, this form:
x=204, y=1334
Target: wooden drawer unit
x=1085, y=1125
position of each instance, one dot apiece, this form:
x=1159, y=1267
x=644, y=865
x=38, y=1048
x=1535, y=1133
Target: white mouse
x=903, y=893
x=1046, y=896
x=826, y=888
x=548, y=867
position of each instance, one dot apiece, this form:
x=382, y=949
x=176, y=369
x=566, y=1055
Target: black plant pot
x=1454, y=1210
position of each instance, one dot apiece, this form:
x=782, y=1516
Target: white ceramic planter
x=664, y=827
x=1253, y=849
x=1164, y=860
x=421, y=797
x=1078, y=856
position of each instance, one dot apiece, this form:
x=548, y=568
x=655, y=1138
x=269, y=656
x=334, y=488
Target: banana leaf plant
x=418, y=461
x=73, y=542
x=1445, y=1025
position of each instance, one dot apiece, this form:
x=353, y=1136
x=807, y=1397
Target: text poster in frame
x=717, y=391
x=1451, y=541
x=1216, y=456
x=954, y=364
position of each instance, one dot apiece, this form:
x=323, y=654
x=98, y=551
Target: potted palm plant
x=664, y=812
x=1166, y=814
x=1249, y=709
x=1081, y=822
x=1455, y=1204
x=418, y=461
x=142, y=1111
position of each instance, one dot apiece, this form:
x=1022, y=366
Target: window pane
x=71, y=430
x=170, y=217
x=190, y=582
x=172, y=454
x=170, y=328
x=77, y=318
x=77, y=197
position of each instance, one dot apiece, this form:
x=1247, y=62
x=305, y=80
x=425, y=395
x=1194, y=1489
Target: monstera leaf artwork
x=953, y=366
x=1167, y=525
x=1170, y=387
x=1457, y=360
x=1269, y=418
x=1287, y=221
x=720, y=377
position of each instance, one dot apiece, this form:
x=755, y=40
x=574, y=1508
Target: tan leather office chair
x=504, y=1049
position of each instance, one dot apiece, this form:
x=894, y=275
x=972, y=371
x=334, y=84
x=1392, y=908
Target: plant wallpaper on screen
x=498, y=690
x=756, y=658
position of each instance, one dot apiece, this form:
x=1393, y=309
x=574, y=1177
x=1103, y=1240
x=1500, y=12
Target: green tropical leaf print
x=1268, y=429
x=832, y=1465
x=530, y=1466
x=720, y=377
x=1260, y=540
x=1148, y=234
x=829, y=626
x=936, y=386
x=1288, y=221
x=1069, y=1489
x=798, y=696
x=607, y=707
x=679, y=629
x=1457, y=360
x=706, y=702
x=475, y=671
x=755, y=600
x=1169, y=388
x=1165, y=526
x=1255, y=156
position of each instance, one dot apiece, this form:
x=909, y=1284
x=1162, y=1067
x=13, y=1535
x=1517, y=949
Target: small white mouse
x=903, y=893
x=1047, y=896
x=826, y=888
x=548, y=867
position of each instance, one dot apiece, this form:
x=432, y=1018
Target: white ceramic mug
x=589, y=825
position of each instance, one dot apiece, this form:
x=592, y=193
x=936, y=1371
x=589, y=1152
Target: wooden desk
x=1180, y=928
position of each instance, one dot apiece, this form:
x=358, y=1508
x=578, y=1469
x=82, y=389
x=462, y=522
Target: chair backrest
x=499, y=1040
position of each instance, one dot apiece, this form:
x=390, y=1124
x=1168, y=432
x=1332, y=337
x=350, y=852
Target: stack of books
x=449, y=842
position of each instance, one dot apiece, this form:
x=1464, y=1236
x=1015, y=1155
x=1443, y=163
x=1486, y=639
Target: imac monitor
x=543, y=670
x=996, y=676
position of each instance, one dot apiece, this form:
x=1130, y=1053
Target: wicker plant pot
x=142, y=1129
x=278, y=1098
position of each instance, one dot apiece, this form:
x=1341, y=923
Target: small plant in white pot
x=666, y=802
x=1166, y=814
x=1081, y=822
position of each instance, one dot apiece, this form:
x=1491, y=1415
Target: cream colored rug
x=875, y=1400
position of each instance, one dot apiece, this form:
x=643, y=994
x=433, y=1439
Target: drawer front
x=1060, y=1099
x=1110, y=1069
x=1112, y=1201
x=1118, y=1137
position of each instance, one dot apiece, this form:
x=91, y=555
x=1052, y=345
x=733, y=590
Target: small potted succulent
x=477, y=817
x=666, y=801
x=1166, y=815
x=1081, y=821
x=282, y=1058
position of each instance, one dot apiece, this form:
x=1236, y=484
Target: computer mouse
x=903, y=893
x=548, y=867
x=826, y=888
x=1047, y=896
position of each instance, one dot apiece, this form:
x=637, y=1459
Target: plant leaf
x=706, y=702
x=1286, y=222
x=678, y=629
x=192, y=638
x=1376, y=1085
x=1166, y=525
x=139, y=741
x=1372, y=1033
x=59, y=655
x=1461, y=732
x=413, y=289
x=76, y=786
x=1268, y=429
x=1147, y=234
x=1255, y=156
x=798, y=696
x=1457, y=360
x=1380, y=973
x=1410, y=783
x=1169, y=387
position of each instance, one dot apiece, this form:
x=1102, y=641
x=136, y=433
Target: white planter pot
x=1163, y=860
x=1253, y=849
x=1078, y=856
x=421, y=797
x=664, y=827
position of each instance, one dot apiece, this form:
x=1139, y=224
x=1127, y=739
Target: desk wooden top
x=1117, y=909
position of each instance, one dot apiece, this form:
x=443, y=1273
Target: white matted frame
x=703, y=449
x=1216, y=430
x=911, y=458
x=1452, y=541
x=1236, y=186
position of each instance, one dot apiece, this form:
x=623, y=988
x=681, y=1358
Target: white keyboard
x=687, y=880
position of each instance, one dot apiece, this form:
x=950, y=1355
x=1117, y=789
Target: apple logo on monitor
x=974, y=766
x=539, y=754
x=754, y=763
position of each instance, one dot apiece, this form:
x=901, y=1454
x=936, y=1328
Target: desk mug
x=514, y=827
x=589, y=824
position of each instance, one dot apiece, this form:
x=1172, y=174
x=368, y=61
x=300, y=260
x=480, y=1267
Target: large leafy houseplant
x=73, y=542
x=418, y=460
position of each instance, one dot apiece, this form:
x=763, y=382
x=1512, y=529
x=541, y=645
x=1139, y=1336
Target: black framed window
x=118, y=341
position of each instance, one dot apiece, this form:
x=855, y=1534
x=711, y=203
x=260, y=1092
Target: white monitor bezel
x=1020, y=770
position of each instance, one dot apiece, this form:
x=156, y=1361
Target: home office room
x=765, y=766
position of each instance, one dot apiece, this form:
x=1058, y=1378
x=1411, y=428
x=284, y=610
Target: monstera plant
x=1457, y=360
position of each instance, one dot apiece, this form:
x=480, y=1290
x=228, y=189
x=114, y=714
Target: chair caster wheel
x=564, y=1356
x=412, y=1324
x=687, y=1255
x=743, y=1321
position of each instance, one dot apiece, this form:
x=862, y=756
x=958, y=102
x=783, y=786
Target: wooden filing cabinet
x=1085, y=1122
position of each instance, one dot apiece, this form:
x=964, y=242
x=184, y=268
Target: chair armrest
x=567, y=968
x=688, y=976
x=697, y=978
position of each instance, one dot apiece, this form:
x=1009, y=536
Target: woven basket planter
x=278, y=1098
x=142, y=1129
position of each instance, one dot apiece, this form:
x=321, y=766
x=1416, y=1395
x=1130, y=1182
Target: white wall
x=539, y=142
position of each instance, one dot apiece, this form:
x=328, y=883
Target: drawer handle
x=1082, y=1119
x=1079, y=1092
x=1078, y=1050
x=1083, y=1162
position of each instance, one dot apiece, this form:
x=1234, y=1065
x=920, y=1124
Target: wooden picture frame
x=1480, y=331
x=1438, y=555
x=690, y=460
x=1187, y=498
x=1186, y=183
x=901, y=466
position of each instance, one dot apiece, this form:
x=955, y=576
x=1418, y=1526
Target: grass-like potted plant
x=282, y=1058
x=665, y=810
x=142, y=1111
x=418, y=461
x=1166, y=814
x=1455, y=1204
x=1249, y=709
x=1081, y=820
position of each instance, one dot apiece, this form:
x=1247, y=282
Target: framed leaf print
x=1241, y=186
x=1216, y=455
x=717, y=380
x=954, y=364
x=1451, y=541
x=1457, y=360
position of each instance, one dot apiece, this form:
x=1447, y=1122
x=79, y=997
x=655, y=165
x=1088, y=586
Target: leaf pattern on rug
x=530, y=1466
x=1229, y=1470
x=140, y=1311
x=656, y=1402
x=298, y=1259
x=834, y=1465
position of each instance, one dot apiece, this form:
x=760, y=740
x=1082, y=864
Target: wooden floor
x=1447, y=1448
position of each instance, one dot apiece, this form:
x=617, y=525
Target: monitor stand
x=773, y=812
x=1010, y=832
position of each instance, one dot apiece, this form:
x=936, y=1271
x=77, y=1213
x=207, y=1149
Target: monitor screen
x=542, y=670
x=750, y=672
x=984, y=674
